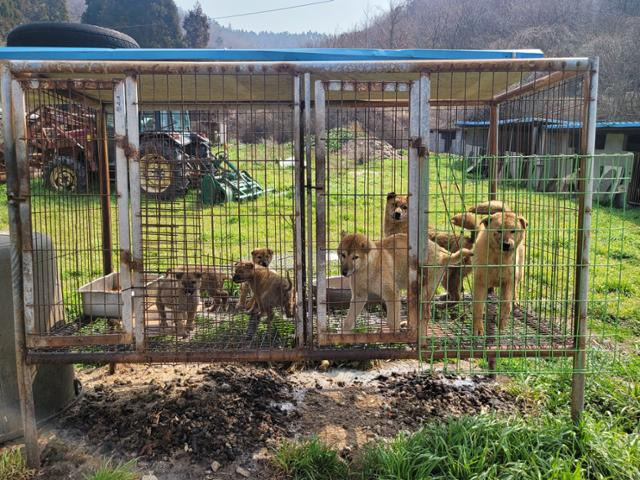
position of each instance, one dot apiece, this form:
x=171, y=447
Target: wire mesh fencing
x=189, y=214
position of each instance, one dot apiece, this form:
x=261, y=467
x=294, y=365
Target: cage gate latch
x=416, y=142
x=127, y=259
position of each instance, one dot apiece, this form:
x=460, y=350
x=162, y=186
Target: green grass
x=114, y=471
x=490, y=447
x=483, y=447
x=225, y=233
x=13, y=465
x=309, y=460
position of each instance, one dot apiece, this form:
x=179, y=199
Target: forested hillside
x=607, y=28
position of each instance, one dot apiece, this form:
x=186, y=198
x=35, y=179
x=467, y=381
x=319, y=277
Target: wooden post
x=105, y=192
x=105, y=198
x=494, y=126
x=585, y=192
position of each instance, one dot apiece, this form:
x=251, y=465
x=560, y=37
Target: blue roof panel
x=272, y=55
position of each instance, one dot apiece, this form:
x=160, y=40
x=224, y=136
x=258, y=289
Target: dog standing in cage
x=179, y=292
x=262, y=257
x=498, y=261
x=382, y=268
x=270, y=291
x=396, y=220
x=211, y=283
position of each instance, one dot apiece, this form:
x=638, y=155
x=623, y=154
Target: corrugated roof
x=551, y=124
x=243, y=55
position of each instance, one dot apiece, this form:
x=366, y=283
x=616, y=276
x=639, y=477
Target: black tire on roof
x=67, y=34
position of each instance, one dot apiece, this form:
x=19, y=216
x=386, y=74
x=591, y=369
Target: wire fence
x=229, y=215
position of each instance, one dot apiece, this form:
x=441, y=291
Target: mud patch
x=414, y=399
x=215, y=414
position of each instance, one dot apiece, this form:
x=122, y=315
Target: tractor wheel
x=161, y=170
x=64, y=174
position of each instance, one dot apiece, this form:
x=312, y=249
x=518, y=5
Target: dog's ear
x=485, y=221
x=391, y=195
x=179, y=275
x=365, y=246
x=269, y=251
x=343, y=234
x=523, y=222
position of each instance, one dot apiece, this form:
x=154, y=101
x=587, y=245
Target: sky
x=331, y=17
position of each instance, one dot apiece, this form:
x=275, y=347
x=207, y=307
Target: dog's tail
x=489, y=208
x=290, y=287
x=468, y=221
x=461, y=256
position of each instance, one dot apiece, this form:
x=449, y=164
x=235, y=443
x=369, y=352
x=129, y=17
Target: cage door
x=369, y=142
x=74, y=295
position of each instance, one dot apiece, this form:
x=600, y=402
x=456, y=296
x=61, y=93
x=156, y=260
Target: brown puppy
x=382, y=268
x=259, y=256
x=212, y=282
x=269, y=290
x=498, y=261
x=471, y=220
x=396, y=214
x=180, y=293
x=396, y=220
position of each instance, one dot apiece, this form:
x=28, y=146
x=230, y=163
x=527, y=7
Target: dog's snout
x=397, y=215
x=235, y=278
x=345, y=271
x=506, y=246
x=263, y=263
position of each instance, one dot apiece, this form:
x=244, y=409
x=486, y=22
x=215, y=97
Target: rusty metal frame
x=122, y=185
x=299, y=202
x=132, y=153
x=125, y=102
x=15, y=200
x=291, y=355
x=321, y=210
x=418, y=199
x=585, y=187
x=31, y=67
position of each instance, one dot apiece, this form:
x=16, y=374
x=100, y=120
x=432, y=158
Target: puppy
x=396, y=214
x=382, y=268
x=498, y=261
x=212, y=283
x=471, y=220
x=396, y=220
x=259, y=256
x=179, y=292
x=269, y=289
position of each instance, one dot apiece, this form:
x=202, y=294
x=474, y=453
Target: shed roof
x=201, y=77
x=266, y=55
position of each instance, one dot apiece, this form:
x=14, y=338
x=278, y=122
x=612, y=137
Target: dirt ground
x=223, y=421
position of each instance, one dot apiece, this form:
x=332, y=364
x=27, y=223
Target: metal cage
x=183, y=169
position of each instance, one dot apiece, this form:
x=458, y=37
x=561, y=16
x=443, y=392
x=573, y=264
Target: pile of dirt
x=216, y=414
x=417, y=398
x=361, y=150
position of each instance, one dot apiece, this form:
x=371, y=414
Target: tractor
x=63, y=143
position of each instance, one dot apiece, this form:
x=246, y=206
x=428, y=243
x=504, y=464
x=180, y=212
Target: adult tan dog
x=381, y=268
x=498, y=261
x=259, y=256
x=396, y=220
x=269, y=289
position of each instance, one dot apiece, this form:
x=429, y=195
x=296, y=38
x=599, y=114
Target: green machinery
x=227, y=182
